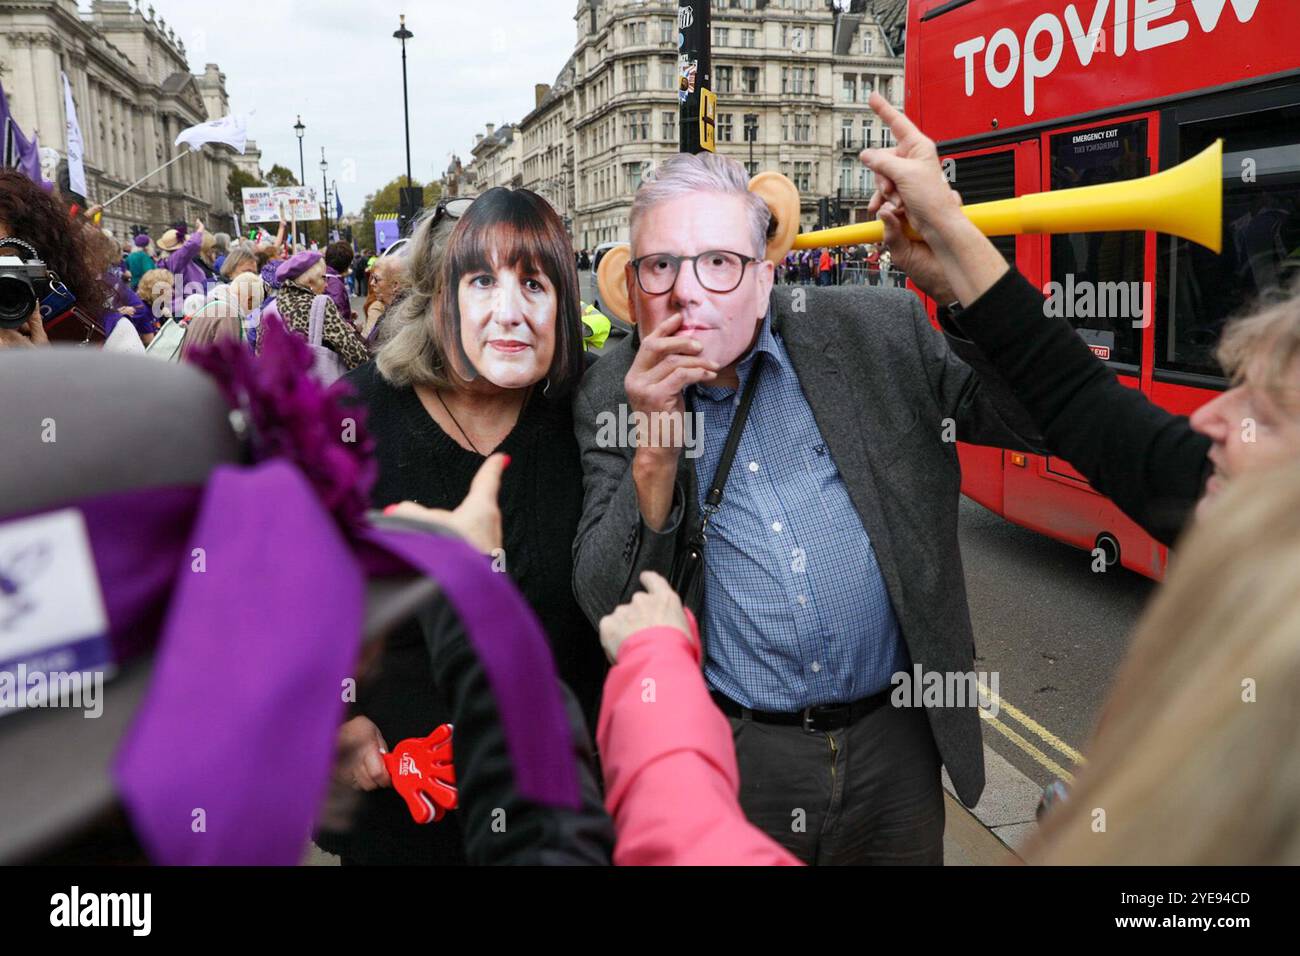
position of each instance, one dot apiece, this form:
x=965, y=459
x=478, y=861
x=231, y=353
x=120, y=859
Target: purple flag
x=19, y=152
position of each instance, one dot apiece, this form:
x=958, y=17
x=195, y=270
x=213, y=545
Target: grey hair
x=222, y=240
x=411, y=356
x=241, y=252
x=687, y=174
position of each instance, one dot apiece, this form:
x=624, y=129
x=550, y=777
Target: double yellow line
x=1032, y=749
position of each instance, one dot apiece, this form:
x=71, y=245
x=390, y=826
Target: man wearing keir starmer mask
x=830, y=561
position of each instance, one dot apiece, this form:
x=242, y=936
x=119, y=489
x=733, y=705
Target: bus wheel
x=1109, y=546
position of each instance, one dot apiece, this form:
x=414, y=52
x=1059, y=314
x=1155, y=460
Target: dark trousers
x=869, y=793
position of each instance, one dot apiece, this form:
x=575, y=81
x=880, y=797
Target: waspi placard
x=264, y=203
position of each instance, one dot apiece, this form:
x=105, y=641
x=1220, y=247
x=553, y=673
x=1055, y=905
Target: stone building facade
x=548, y=152
x=794, y=74
x=133, y=92
x=498, y=159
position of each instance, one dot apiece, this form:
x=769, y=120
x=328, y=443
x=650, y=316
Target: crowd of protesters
x=850, y=265
x=189, y=272
x=485, y=422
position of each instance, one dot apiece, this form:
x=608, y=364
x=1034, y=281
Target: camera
x=22, y=284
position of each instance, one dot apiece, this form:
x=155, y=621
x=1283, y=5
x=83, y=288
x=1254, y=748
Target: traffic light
x=823, y=212
x=410, y=202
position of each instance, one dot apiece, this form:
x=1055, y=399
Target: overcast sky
x=335, y=61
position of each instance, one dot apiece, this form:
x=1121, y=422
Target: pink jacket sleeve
x=670, y=767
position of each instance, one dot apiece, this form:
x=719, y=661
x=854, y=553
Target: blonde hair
x=241, y=253
x=1196, y=758
x=410, y=355
x=1266, y=347
x=246, y=292
x=154, y=284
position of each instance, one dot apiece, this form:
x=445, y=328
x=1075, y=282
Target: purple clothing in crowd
x=337, y=290
x=141, y=316
x=268, y=273
x=188, y=272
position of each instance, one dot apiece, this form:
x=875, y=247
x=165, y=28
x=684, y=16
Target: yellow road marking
x=1034, y=727
x=1038, y=756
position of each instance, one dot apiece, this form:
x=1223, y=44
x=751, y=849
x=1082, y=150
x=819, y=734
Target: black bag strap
x=713, y=501
x=688, y=565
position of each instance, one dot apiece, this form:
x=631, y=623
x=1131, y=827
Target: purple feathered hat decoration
x=291, y=415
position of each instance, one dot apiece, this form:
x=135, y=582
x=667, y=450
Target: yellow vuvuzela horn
x=1185, y=201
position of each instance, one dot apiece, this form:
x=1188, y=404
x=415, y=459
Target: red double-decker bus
x=1024, y=96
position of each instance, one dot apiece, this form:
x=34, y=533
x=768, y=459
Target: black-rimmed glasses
x=717, y=270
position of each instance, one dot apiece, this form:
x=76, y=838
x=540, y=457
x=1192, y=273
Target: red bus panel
x=989, y=65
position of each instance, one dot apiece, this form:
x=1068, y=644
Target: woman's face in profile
x=507, y=325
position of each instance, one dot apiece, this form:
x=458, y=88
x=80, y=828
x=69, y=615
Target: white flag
x=231, y=130
x=76, y=148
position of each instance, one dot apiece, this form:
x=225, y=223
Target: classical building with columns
x=133, y=92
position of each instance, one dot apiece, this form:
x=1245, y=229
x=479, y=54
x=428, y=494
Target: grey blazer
x=884, y=387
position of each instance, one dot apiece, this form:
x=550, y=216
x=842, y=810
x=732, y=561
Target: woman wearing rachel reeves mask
x=478, y=377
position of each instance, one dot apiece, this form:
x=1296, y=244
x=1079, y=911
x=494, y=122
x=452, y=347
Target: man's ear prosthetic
x=782, y=201
x=611, y=282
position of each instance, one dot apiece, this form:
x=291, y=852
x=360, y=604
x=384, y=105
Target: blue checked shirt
x=795, y=606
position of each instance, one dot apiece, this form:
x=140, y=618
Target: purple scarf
x=229, y=758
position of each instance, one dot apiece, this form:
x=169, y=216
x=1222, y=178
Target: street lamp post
x=325, y=168
x=404, y=34
x=302, y=166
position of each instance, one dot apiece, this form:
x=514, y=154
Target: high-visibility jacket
x=598, y=326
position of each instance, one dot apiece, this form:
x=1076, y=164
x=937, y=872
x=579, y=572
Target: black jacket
x=1145, y=459
x=499, y=826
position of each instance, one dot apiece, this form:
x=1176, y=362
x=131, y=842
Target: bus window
x=1200, y=291
x=1097, y=277
x=986, y=177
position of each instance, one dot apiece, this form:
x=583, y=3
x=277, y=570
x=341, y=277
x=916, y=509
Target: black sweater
x=541, y=501
x=1145, y=459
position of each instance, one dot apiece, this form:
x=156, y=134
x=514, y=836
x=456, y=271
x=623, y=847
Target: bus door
x=986, y=175
x=1103, y=284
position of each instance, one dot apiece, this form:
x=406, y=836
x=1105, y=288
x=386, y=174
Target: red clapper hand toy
x=423, y=774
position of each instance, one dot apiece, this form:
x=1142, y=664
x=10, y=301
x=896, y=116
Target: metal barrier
x=859, y=273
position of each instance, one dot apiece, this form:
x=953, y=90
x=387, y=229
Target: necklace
x=459, y=427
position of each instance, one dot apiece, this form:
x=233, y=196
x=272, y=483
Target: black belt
x=814, y=720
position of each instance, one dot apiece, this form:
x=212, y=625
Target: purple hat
x=296, y=265
x=142, y=240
